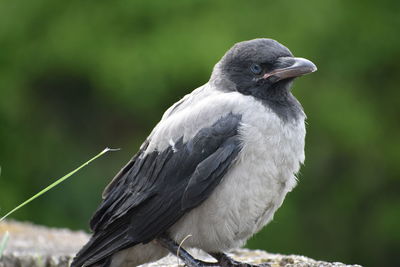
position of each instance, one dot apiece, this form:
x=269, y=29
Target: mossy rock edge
x=32, y=245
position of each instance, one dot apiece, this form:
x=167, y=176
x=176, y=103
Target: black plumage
x=154, y=190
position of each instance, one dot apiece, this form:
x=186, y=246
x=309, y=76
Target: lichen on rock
x=31, y=245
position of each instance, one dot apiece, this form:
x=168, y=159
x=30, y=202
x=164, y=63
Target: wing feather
x=155, y=189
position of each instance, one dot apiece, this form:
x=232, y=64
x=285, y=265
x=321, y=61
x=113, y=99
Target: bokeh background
x=78, y=76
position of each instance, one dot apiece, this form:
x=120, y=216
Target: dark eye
x=256, y=69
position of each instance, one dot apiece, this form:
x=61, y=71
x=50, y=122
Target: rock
x=254, y=257
x=31, y=245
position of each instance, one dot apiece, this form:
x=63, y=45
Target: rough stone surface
x=33, y=245
x=37, y=246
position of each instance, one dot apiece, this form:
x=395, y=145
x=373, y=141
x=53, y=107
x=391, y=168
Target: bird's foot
x=188, y=259
x=223, y=259
x=199, y=263
x=226, y=261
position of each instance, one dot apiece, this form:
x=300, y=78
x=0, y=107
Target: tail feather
x=99, y=249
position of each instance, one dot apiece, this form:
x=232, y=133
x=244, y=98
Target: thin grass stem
x=62, y=179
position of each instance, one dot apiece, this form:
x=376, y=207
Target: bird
x=213, y=171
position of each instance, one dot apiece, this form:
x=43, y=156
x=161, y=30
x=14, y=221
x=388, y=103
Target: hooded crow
x=213, y=171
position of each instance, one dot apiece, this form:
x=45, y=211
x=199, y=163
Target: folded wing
x=155, y=189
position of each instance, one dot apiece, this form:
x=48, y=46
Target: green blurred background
x=78, y=76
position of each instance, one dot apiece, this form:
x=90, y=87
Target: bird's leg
x=226, y=261
x=188, y=259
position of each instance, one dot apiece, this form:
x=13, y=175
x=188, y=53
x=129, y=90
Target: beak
x=290, y=67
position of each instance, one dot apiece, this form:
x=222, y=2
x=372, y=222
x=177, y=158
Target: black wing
x=153, y=191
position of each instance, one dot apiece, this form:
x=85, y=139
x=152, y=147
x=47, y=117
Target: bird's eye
x=256, y=69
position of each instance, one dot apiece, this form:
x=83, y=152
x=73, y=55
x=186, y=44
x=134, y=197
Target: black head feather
x=251, y=68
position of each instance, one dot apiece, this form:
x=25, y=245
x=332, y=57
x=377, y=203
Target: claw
x=223, y=259
x=188, y=259
x=226, y=261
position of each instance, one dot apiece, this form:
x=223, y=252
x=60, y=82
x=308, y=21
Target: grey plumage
x=216, y=167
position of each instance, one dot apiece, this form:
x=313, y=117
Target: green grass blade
x=57, y=182
x=3, y=243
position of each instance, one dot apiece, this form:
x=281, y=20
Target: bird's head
x=261, y=67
